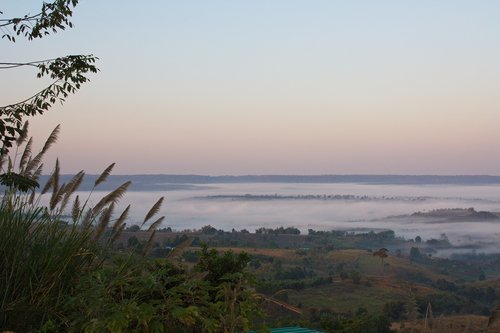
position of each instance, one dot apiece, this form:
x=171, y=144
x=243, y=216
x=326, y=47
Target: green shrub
x=394, y=310
x=355, y=277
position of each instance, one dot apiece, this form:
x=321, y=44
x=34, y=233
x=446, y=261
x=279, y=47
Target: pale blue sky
x=259, y=87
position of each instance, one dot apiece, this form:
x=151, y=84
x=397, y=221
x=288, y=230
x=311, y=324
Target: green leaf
x=15, y=180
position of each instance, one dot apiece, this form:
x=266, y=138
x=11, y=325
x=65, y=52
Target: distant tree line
x=278, y=231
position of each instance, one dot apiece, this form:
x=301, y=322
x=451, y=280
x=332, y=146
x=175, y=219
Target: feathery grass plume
x=71, y=187
x=179, y=249
x=152, y=228
x=88, y=218
x=75, y=182
x=57, y=171
x=51, y=139
x=120, y=221
x=75, y=211
x=24, y=134
x=118, y=226
x=117, y=233
x=104, y=221
x=35, y=162
x=48, y=184
x=60, y=196
x=55, y=185
x=104, y=175
x=153, y=210
x=26, y=155
x=37, y=173
x=32, y=163
x=9, y=164
x=32, y=197
x=112, y=197
x=156, y=223
x=56, y=197
x=148, y=245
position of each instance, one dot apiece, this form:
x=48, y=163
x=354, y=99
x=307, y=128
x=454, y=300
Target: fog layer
x=371, y=207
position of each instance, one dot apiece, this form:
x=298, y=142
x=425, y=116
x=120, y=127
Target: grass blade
x=103, y=221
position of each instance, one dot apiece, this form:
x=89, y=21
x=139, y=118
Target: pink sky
x=288, y=87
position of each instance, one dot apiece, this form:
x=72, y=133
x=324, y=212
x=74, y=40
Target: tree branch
x=7, y=65
x=69, y=73
x=52, y=17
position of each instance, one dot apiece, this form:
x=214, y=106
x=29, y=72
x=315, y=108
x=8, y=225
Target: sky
x=272, y=87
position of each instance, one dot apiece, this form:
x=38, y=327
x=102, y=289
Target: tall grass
x=43, y=254
x=41, y=259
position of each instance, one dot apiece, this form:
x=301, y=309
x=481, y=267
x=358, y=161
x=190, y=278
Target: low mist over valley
x=408, y=205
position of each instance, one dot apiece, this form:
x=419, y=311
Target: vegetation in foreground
x=61, y=272
x=338, y=281
x=86, y=271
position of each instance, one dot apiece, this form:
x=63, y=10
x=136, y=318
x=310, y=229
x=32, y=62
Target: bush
x=134, y=228
x=394, y=310
x=296, y=273
x=191, y=256
x=355, y=277
x=361, y=323
x=415, y=253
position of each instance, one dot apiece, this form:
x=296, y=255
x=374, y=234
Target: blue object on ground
x=291, y=330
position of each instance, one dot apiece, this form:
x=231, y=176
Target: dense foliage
x=140, y=294
x=65, y=276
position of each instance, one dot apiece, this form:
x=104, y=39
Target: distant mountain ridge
x=168, y=182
